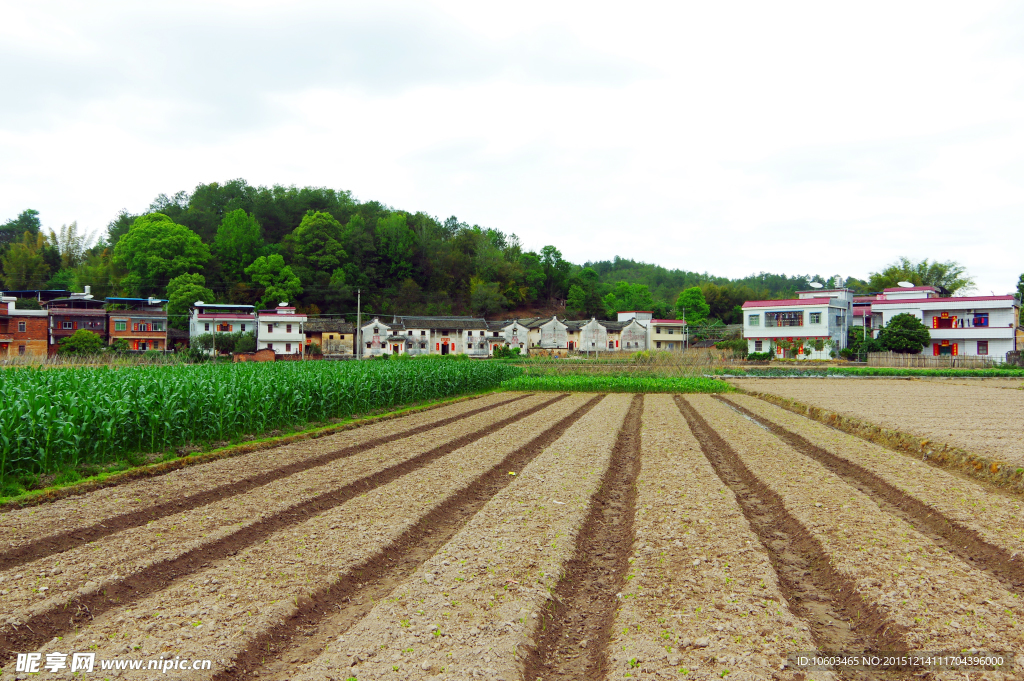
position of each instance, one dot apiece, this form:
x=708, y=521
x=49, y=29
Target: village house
x=667, y=334
x=77, y=311
x=22, y=332
x=864, y=316
x=817, y=321
x=965, y=325
x=215, y=318
x=140, y=321
x=281, y=330
x=334, y=336
x=416, y=335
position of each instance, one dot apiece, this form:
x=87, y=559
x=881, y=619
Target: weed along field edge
x=523, y=535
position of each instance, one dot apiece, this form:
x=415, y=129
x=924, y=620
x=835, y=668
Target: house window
x=224, y=328
x=342, y=336
x=288, y=328
x=788, y=318
x=495, y=333
x=156, y=345
x=982, y=347
x=270, y=328
x=758, y=345
x=287, y=347
x=159, y=326
x=123, y=325
x=21, y=349
x=423, y=333
x=657, y=329
x=980, y=319
x=21, y=327
x=469, y=333
x=376, y=330
x=754, y=320
x=423, y=346
x=65, y=325
x=611, y=345
x=671, y=331
x=206, y=327
x=368, y=346
x=270, y=346
x=815, y=318
x=658, y=344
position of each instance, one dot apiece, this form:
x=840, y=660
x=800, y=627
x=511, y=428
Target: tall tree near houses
x=182, y=293
x=155, y=250
x=24, y=266
x=13, y=230
x=691, y=306
x=239, y=241
x=949, y=275
x=277, y=280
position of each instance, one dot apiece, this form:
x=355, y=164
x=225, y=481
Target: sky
x=732, y=138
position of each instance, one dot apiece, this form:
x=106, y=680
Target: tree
x=278, y=281
x=904, y=333
x=317, y=242
x=70, y=245
x=396, y=246
x=949, y=275
x=81, y=342
x=238, y=243
x=691, y=306
x=203, y=342
x=27, y=304
x=155, y=250
x=485, y=297
x=246, y=342
x=182, y=292
x=24, y=265
x=576, y=303
x=628, y=296
x=12, y=230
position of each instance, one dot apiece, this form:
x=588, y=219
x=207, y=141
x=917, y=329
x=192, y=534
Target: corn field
x=55, y=419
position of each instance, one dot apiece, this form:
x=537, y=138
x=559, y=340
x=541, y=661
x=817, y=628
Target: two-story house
x=214, y=318
x=281, y=330
x=667, y=334
x=142, y=322
x=77, y=311
x=22, y=332
x=817, y=321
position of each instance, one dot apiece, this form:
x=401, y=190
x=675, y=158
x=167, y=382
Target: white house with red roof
x=818, y=320
x=216, y=318
x=963, y=325
x=280, y=330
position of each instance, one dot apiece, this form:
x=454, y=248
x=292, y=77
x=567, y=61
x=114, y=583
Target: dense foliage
x=904, y=333
x=57, y=419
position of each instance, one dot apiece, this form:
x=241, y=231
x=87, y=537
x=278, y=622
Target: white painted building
x=817, y=319
x=967, y=325
x=414, y=335
x=281, y=330
x=216, y=318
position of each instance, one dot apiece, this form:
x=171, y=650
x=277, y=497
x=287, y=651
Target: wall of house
x=633, y=338
x=553, y=334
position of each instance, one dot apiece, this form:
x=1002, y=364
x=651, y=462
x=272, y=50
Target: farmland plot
x=520, y=537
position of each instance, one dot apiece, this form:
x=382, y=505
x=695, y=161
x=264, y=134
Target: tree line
x=315, y=247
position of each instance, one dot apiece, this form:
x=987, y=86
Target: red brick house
x=78, y=311
x=140, y=321
x=22, y=332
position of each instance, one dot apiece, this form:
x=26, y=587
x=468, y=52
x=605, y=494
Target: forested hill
x=234, y=242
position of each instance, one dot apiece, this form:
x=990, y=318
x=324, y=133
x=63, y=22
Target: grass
x=873, y=371
x=616, y=383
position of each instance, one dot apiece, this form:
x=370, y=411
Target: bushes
x=758, y=356
x=737, y=345
x=505, y=352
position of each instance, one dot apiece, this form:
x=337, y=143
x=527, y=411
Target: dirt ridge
x=815, y=590
x=59, y=620
x=963, y=542
x=361, y=587
x=58, y=543
x=585, y=599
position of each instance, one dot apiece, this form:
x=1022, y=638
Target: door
x=444, y=348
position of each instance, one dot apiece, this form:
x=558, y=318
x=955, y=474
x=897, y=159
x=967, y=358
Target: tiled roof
x=668, y=321
x=319, y=325
x=897, y=289
x=792, y=302
x=438, y=322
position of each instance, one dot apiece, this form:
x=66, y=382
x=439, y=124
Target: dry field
x=524, y=537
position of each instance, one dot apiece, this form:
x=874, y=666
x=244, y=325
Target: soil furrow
x=57, y=543
x=839, y=619
x=331, y=611
x=958, y=539
x=77, y=611
x=583, y=609
x=703, y=600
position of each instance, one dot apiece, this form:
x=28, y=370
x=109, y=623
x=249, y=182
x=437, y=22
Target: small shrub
x=759, y=356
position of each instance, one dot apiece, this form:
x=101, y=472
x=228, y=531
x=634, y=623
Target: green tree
x=81, y=342
x=277, y=280
x=12, y=230
x=155, y=250
x=396, y=246
x=24, y=266
x=949, y=275
x=316, y=243
x=246, y=342
x=485, y=297
x=691, y=306
x=576, y=302
x=627, y=296
x=182, y=292
x=904, y=333
x=238, y=243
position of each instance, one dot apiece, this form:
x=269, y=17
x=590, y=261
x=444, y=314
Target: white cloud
x=731, y=138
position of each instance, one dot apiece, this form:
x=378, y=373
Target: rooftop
x=791, y=302
x=944, y=301
x=897, y=289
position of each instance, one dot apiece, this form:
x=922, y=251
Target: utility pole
x=359, y=324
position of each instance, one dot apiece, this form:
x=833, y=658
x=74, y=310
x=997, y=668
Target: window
x=789, y=318
x=611, y=345
x=342, y=336
x=980, y=319
x=815, y=318
x=288, y=346
x=243, y=328
x=65, y=325
x=758, y=345
x=469, y=333
x=495, y=333
x=158, y=326
x=223, y=328
x=368, y=346
x=270, y=328
x=123, y=325
x=754, y=320
x=423, y=346
x=206, y=326
x=659, y=345
x=657, y=329
x=982, y=347
x=376, y=330
x=156, y=345
x=270, y=346
x=21, y=327
x=423, y=333
x=21, y=349
x=288, y=328
x=671, y=331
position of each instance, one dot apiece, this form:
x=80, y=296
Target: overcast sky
x=731, y=138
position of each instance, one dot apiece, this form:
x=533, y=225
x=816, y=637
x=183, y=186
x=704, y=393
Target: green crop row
x=597, y=383
x=60, y=419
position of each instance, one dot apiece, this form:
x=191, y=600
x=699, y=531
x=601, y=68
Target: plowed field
x=523, y=537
